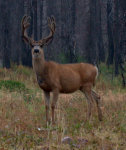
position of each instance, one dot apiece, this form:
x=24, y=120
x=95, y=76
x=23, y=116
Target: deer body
x=60, y=78
x=67, y=78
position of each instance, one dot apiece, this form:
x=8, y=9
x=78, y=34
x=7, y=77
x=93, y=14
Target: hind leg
x=97, y=100
x=90, y=101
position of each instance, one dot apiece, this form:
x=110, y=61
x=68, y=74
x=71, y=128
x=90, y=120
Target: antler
x=52, y=26
x=24, y=25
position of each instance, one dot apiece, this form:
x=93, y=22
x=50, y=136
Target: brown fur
x=67, y=78
x=61, y=78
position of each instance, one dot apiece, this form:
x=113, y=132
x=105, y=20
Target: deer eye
x=41, y=46
x=32, y=46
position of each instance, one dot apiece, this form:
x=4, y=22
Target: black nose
x=36, y=50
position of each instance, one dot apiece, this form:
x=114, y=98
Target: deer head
x=37, y=46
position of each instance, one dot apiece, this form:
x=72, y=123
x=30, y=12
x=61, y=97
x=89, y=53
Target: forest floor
x=22, y=116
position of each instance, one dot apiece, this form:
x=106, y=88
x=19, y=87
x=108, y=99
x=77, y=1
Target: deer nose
x=36, y=50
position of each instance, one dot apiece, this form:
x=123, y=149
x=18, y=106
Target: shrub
x=12, y=85
x=24, y=70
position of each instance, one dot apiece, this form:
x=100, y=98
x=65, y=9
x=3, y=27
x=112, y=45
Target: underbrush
x=22, y=115
x=106, y=76
x=12, y=85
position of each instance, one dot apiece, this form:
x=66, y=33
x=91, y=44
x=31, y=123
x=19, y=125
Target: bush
x=24, y=70
x=12, y=85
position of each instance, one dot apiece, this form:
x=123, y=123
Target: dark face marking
x=37, y=51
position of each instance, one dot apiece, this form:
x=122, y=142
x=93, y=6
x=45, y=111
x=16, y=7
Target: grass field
x=22, y=115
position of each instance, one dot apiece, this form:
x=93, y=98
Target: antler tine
x=54, y=23
x=24, y=25
x=51, y=25
x=49, y=20
x=25, y=22
x=23, y=19
x=53, y=19
x=27, y=19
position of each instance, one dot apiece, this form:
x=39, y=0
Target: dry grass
x=22, y=118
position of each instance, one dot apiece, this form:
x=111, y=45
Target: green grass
x=22, y=115
x=12, y=85
x=108, y=77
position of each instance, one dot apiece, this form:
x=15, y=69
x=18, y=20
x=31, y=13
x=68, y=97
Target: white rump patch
x=97, y=72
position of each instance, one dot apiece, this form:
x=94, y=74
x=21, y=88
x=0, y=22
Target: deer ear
x=32, y=45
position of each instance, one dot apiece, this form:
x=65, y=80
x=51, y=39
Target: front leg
x=47, y=101
x=54, y=100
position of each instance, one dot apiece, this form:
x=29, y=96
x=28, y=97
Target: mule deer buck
x=60, y=78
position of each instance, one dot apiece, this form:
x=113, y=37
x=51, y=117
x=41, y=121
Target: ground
x=22, y=116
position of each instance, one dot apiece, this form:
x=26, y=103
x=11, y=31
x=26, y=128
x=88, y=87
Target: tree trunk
x=6, y=36
x=116, y=38
x=34, y=5
x=110, y=35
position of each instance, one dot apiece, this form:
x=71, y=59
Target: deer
x=56, y=78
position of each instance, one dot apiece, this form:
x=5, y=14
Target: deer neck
x=38, y=66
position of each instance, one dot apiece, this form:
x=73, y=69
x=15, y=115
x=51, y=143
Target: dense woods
x=91, y=31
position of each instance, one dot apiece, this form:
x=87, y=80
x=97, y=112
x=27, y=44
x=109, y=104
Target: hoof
x=53, y=122
x=100, y=118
